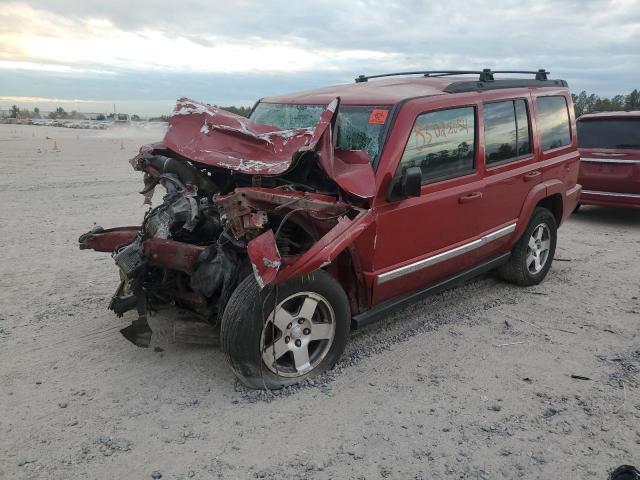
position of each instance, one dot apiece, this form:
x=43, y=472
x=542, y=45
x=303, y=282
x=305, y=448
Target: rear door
x=610, y=155
x=555, y=122
x=510, y=168
x=423, y=239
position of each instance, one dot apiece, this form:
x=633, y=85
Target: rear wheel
x=274, y=342
x=532, y=256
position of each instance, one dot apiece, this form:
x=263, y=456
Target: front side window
x=442, y=144
x=506, y=131
x=553, y=122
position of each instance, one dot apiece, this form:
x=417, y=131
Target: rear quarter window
x=553, y=122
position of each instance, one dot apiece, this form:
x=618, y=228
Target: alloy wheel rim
x=538, y=249
x=298, y=337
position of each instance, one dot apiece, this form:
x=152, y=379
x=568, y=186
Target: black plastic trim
x=381, y=310
x=473, y=85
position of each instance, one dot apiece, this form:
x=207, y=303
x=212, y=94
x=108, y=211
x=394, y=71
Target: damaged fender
x=268, y=266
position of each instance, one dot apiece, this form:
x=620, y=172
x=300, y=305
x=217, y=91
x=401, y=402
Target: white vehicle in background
x=122, y=118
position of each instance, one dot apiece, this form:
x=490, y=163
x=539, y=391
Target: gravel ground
x=473, y=383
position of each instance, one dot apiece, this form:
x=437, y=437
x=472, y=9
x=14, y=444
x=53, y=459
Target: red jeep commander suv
x=325, y=209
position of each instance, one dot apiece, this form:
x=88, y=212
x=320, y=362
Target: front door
x=421, y=240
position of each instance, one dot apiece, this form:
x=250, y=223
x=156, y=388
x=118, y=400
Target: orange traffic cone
x=55, y=146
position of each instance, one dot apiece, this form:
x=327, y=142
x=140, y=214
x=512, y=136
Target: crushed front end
x=240, y=198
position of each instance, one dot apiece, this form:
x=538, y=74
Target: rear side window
x=611, y=133
x=442, y=144
x=506, y=131
x=553, y=122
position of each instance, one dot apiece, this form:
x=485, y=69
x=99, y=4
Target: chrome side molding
x=607, y=160
x=441, y=257
x=611, y=194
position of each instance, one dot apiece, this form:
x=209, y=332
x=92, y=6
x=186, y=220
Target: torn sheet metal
x=323, y=252
x=240, y=204
x=108, y=240
x=351, y=170
x=208, y=135
x=265, y=258
x=211, y=136
x=173, y=255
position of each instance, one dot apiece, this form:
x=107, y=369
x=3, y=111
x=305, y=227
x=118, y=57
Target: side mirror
x=408, y=184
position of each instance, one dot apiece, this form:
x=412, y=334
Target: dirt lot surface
x=473, y=383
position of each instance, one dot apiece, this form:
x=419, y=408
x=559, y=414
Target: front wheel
x=274, y=342
x=532, y=256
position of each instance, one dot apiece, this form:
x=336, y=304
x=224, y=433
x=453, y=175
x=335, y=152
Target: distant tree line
x=244, y=111
x=15, y=112
x=58, y=114
x=582, y=103
x=585, y=103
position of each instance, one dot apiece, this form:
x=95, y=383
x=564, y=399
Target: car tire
x=532, y=256
x=268, y=352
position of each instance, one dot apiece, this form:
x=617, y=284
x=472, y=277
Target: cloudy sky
x=143, y=54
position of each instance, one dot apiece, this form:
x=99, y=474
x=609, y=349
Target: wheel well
x=347, y=270
x=553, y=203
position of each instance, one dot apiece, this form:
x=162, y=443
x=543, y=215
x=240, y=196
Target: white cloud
x=99, y=42
x=589, y=42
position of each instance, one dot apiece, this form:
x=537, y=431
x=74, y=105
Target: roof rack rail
x=485, y=75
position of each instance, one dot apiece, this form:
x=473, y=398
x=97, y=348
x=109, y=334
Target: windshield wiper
x=627, y=145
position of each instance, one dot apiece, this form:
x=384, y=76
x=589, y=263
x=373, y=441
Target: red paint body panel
x=108, y=240
x=171, y=254
x=388, y=91
x=214, y=137
x=610, y=176
x=222, y=139
x=328, y=247
x=412, y=230
x=265, y=258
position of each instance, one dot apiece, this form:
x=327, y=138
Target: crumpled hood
x=211, y=136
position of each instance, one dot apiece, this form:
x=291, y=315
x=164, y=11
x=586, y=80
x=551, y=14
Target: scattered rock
x=156, y=475
x=63, y=404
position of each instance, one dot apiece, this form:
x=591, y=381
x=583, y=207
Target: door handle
x=470, y=197
x=531, y=176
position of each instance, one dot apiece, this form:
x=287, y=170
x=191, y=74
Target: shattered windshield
x=359, y=128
